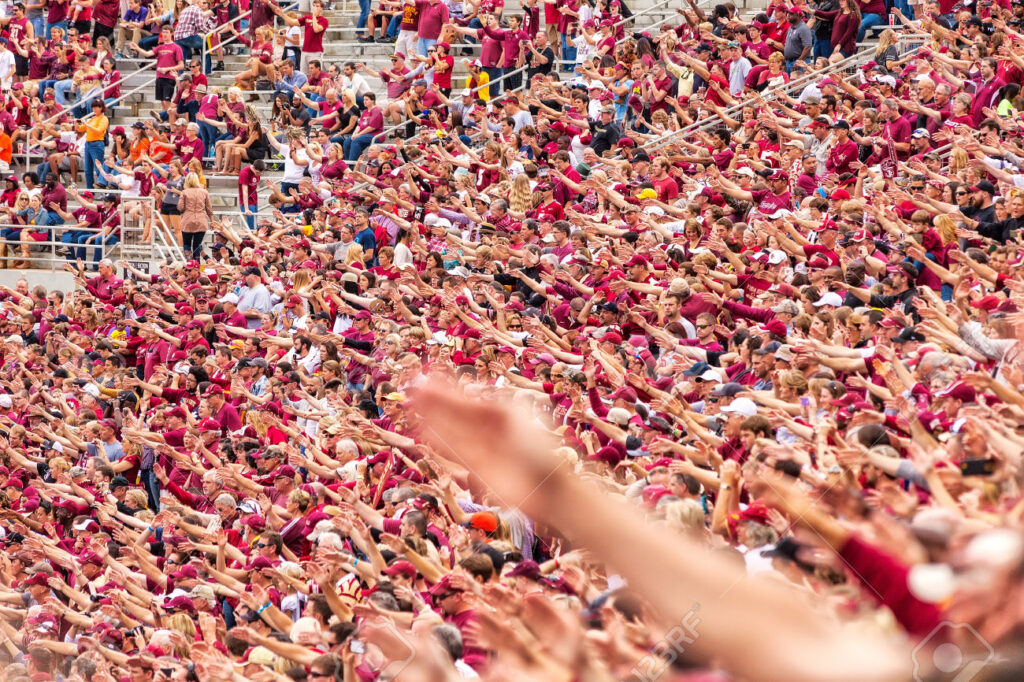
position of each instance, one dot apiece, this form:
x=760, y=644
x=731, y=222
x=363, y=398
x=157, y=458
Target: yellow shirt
x=481, y=81
x=95, y=128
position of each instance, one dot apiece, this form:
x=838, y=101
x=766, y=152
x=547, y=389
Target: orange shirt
x=6, y=147
x=139, y=147
x=95, y=128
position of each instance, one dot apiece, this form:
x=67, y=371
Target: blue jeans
x=424, y=44
x=97, y=253
x=208, y=133
x=904, y=6
x=38, y=25
x=822, y=48
x=149, y=42
x=394, y=26
x=62, y=88
x=364, y=14
x=93, y=153
x=250, y=220
x=152, y=486
x=189, y=44
x=355, y=146
x=494, y=75
x=868, y=21
x=70, y=238
x=63, y=25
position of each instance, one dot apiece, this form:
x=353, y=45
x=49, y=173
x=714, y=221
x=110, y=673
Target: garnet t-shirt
x=768, y=202
x=167, y=55
x=311, y=40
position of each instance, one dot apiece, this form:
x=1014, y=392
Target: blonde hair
x=520, y=199
x=946, y=227
x=183, y=624
x=885, y=41
x=354, y=254
x=302, y=279
x=685, y=515
x=958, y=160
x=191, y=180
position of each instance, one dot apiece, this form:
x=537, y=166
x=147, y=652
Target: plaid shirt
x=190, y=22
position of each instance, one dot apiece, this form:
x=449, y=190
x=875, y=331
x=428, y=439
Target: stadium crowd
x=521, y=375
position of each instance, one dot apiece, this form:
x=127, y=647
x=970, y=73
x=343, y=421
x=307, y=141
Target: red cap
x=401, y=567
x=627, y=393
x=485, y=521
x=776, y=327
x=212, y=390
x=208, y=425
x=960, y=391
x=988, y=303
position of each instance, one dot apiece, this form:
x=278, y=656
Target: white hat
x=5, y=401
x=829, y=298
x=618, y=415
x=15, y=339
x=776, y=256
x=746, y=170
x=710, y=375
x=467, y=93
x=443, y=223
x=741, y=406
x=654, y=210
x=92, y=390
x=229, y=298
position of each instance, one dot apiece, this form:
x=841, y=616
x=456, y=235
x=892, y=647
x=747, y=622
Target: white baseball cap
x=742, y=406
x=829, y=298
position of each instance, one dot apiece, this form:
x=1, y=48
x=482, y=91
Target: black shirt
x=982, y=215
x=535, y=65
x=604, y=137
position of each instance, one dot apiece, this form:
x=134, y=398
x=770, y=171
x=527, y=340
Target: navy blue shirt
x=366, y=239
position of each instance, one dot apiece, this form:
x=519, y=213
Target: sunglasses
x=261, y=545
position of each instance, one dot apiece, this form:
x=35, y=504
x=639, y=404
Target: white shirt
x=293, y=172
x=357, y=84
x=6, y=69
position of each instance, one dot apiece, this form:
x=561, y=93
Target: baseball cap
x=485, y=521
x=741, y=406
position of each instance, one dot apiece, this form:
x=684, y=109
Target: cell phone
x=356, y=647
x=977, y=467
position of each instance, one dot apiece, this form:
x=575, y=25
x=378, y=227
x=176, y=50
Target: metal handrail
x=789, y=88
x=147, y=64
x=52, y=261
x=657, y=5
x=216, y=31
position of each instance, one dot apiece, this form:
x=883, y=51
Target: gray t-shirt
x=257, y=298
x=797, y=39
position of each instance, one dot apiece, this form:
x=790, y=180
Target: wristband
x=263, y=608
x=355, y=563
